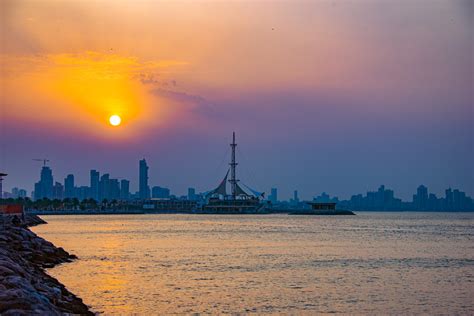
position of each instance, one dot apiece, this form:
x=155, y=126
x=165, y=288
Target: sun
x=115, y=120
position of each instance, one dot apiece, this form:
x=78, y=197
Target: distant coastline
x=144, y=212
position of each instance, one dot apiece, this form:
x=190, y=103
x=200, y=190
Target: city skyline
x=288, y=195
x=382, y=95
x=236, y=157
x=106, y=187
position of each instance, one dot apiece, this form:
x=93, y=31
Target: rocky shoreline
x=25, y=287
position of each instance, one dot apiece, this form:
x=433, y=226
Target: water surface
x=375, y=263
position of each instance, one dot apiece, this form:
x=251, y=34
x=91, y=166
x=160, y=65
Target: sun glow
x=115, y=120
x=84, y=90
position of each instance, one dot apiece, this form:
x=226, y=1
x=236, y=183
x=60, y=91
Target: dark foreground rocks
x=25, y=288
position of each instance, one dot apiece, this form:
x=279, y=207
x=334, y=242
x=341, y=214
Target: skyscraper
x=114, y=189
x=58, y=191
x=160, y=193
x=18, y=193
x=44, y=188
x=273, y=195
x=104, y=187
x=1, y=180
x=124, y=189
x=69, y=186
x=94, y=185
x=420, y=199
x=295, y=196
x=143, y=188
x=191, y=194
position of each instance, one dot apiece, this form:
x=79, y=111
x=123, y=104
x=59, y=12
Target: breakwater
x=25, y=287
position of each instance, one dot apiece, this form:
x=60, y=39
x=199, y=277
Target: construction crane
x=43, y=160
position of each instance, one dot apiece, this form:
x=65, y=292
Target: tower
x=273, y=195
x=233, y=181
x=44, y=188
x=143, y=188
x=1, y=186
x=69, y=186
x=94, y=184
x=124, y=189
x=104, y=185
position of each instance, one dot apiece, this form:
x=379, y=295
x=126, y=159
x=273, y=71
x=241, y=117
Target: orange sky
x=83, y=60
x=205, y=67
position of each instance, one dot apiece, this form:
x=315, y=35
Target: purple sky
x=335, y=96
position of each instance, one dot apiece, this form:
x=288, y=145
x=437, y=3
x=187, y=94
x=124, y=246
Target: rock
x=25, y=288
x=5, y=271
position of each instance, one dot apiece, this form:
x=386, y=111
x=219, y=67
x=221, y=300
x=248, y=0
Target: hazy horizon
x=334, y=96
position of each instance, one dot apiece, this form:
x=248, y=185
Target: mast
x=233, y=181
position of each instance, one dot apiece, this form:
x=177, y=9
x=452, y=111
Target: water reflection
x=371, y=263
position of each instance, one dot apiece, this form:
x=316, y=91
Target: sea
x=371, y=263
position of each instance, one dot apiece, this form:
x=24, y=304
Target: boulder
x=25, y=288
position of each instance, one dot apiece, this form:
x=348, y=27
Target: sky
x=334, y=96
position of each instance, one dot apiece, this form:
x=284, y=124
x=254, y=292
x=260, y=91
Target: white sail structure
x=239, y=200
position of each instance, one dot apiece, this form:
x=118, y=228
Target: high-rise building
x=82, y=192
x=449, y=199
x=295, y=196
x=1, y=183
x=160, y=193
x=44, y=188
x=273, y=197
x=18, y=193
x=58, y=191
x=94, y=184
x=69, y=186
x=104, y=187
x=192, y=194
x=124, y=189
x=143, y=188
x=420, y=199
x=114, y=189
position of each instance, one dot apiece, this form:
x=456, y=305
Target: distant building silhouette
x=94, y=184
x=160, y=193
x=273, y=197
x=82, y=192
x=18, y=193
x=44, y=188
x=124, y=189
x=420, y=199
x=192, y=194
x=295, y=196
x=1, y=184
x=104, y=184
x=58, y=191
x=384, y=200
x=325, y=198
x=114, y=189
x=104, y=187
x=143, y=188
x=69, y=186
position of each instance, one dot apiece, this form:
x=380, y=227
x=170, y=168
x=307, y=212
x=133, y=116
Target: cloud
x=153, y=79
x=180, y=96
x=101, y=63
x=71, y=89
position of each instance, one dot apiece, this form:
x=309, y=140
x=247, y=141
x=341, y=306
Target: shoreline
x=147, y=212
x=25, y=286
x=273, y=212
